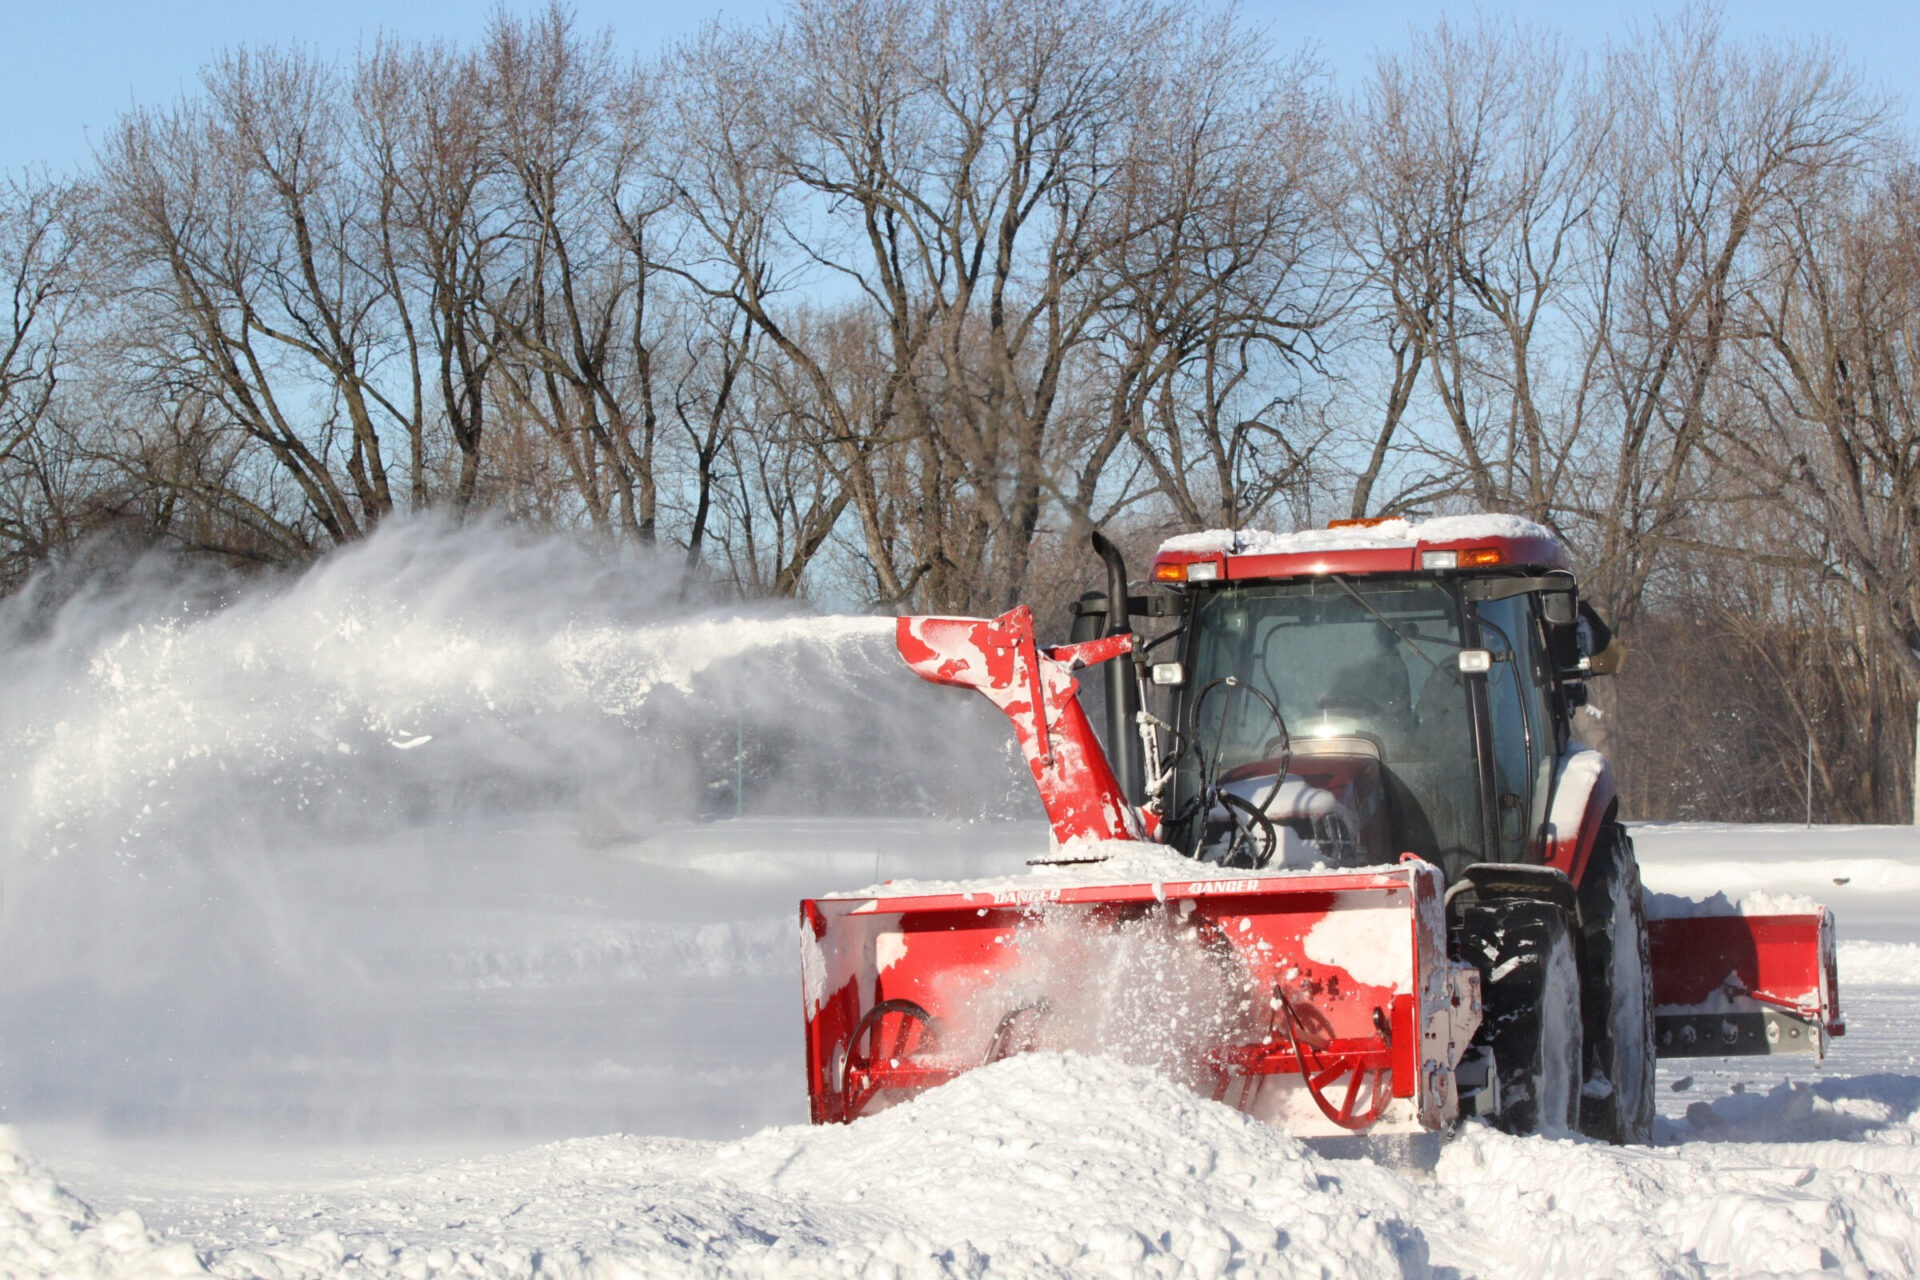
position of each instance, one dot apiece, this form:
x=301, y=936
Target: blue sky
x=73, y=67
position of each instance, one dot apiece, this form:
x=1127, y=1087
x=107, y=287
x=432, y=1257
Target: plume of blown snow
x=282, y=853
x=435, y=669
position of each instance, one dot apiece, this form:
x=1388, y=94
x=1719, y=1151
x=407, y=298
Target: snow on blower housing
x=1340, y=864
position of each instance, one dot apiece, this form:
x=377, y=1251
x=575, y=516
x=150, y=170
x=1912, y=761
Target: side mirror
x=1561, y=612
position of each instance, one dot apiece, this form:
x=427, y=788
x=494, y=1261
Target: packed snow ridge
x=1059, y=1165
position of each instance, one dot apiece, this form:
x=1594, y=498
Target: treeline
x=885, y=304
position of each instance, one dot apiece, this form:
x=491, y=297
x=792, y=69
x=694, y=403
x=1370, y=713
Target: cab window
x=1523, y=739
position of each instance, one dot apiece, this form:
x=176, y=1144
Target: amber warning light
x=1197, y=571
x=1471, y=558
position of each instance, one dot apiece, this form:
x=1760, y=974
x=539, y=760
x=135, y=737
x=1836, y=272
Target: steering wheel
x=1251, y=837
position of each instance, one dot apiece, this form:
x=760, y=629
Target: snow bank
x=45, y=1231
x=1552, y=1209
x=1055, y=1164
x=1058, y=1165
x=1045, y=1165
x=1879, y=964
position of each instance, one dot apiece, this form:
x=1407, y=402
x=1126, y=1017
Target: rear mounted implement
x=1731, y=985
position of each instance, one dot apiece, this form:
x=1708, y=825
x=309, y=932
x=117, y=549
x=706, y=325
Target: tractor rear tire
x=1617, y=1004
x=1530, y=997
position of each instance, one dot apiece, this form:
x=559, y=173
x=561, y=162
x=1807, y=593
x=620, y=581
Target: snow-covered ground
x=349, y=964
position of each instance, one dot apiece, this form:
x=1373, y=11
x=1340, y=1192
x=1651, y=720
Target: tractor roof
x=1446, y=544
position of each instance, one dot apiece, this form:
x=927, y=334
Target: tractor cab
x=1347, y=695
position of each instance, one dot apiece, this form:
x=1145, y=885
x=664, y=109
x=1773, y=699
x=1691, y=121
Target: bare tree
x=42, y=234
x=1714, y=141
x=1216, y=280
x=1474, y=158
x=235, y=224
x=579, y=307
x=1028, y=200
x=432, y=239
x=790, y=480
x=1833, y=382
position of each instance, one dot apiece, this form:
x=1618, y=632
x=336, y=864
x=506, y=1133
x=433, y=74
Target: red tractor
x=1341, y=861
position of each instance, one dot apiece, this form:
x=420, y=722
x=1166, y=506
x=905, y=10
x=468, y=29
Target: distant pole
x=1916, y=764
x=739, y=763
x=1809, y=778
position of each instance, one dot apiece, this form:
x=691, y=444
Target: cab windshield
x=1354, y=667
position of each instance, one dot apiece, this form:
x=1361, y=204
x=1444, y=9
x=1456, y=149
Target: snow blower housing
x=1340, y=861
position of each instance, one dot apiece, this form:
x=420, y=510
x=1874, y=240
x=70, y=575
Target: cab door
x=1522, y=746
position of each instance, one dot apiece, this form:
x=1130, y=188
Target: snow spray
x=408, y=840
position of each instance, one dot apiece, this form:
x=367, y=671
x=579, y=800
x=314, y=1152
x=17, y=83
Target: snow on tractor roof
x=1444, y=544
x=1386, y=534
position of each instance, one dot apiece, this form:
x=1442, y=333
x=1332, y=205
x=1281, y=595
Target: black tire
x=1530, y=998
x=1617, y=1003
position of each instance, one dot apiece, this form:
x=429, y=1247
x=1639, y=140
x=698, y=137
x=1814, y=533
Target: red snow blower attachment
x=1322, y=1003
x=1035, y=688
